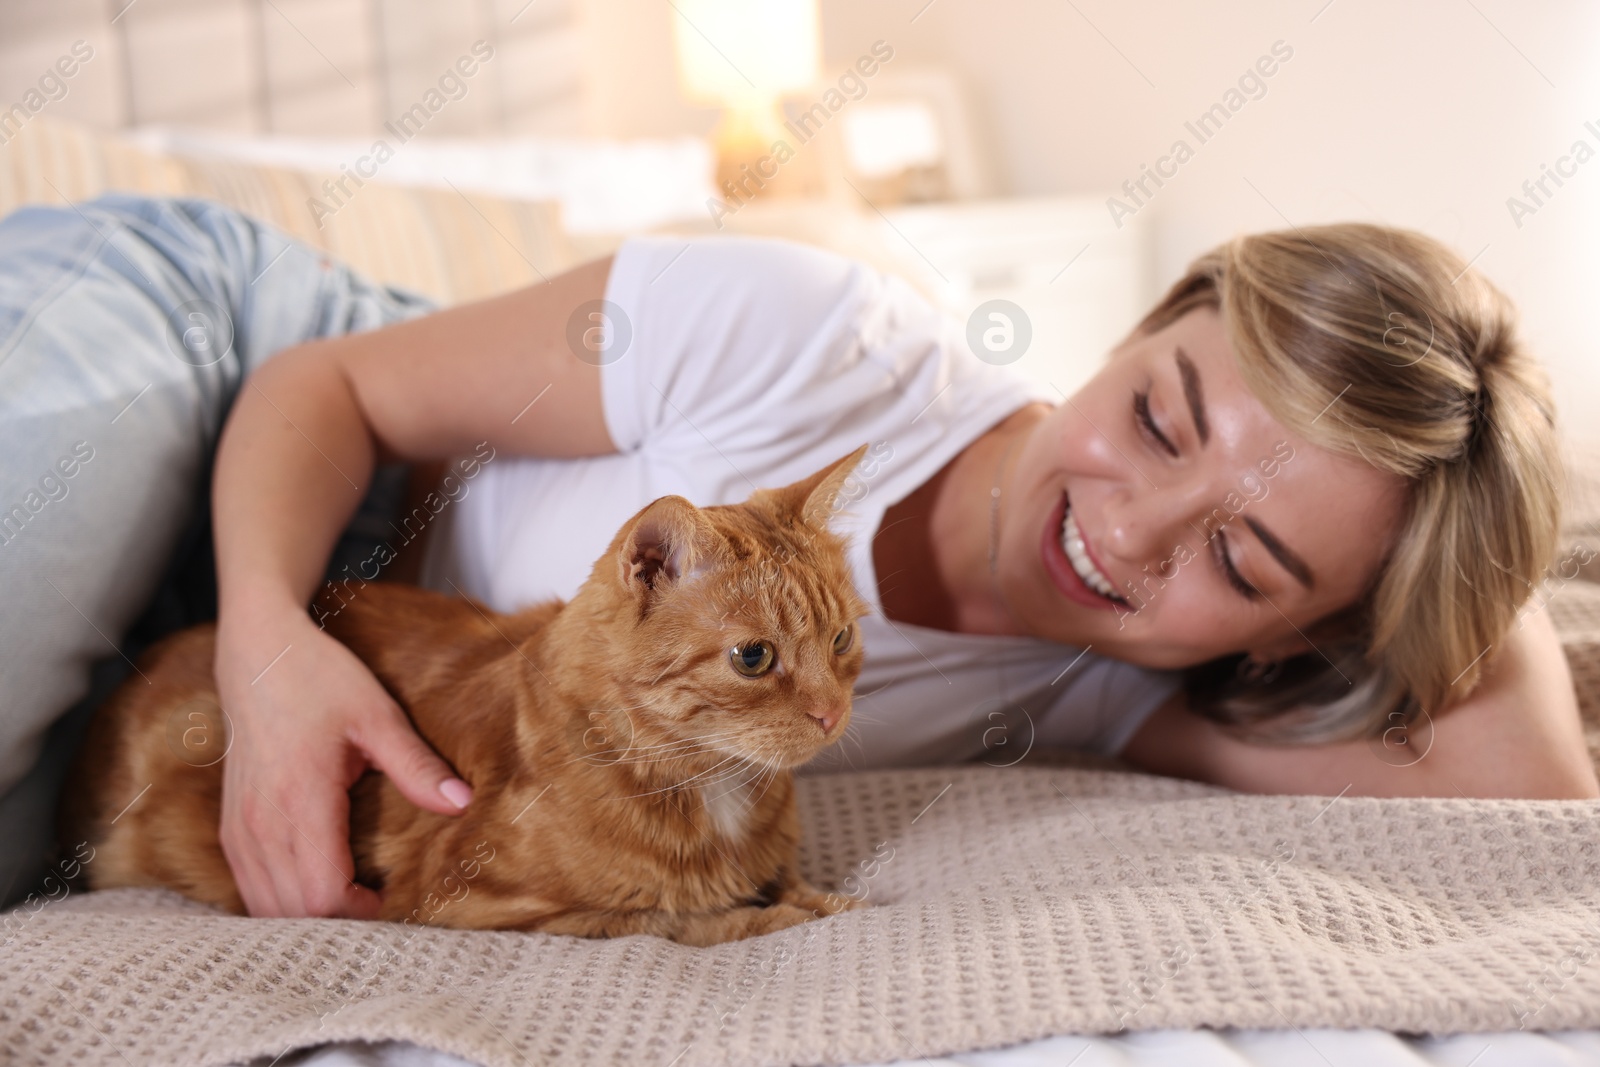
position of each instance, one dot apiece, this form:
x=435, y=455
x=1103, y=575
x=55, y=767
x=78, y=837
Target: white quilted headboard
x=303, y=67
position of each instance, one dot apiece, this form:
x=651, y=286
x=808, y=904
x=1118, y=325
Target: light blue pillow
x=127, y=325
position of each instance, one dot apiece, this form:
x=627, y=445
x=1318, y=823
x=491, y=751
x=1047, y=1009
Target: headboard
x=304, y=67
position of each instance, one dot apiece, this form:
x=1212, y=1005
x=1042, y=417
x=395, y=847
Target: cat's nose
x=828, y=718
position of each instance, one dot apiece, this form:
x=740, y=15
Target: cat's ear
x=670, y=541
x=812, y=498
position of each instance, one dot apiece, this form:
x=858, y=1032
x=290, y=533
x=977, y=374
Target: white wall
x=1421, y=114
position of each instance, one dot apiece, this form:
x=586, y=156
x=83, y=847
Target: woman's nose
x=1145, y=524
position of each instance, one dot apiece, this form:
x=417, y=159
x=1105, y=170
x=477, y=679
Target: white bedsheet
x=1151, y=1048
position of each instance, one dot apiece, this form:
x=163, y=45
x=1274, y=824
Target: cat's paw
x=849, y=903
x=740, y=923
x=780, y=917
x=821, y=904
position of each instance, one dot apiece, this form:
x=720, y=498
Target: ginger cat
x=630, y=751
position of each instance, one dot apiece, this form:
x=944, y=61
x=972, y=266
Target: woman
x=1321, y=473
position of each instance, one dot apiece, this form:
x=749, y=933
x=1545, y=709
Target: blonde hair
x=1383, y=344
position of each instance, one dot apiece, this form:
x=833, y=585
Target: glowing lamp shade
x=740, y=52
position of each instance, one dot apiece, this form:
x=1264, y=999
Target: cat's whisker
x=700, y=778
x=741, y=769
x=745, y=781
x=686, y=782
x=653, y=753
x=685, y=740
x=698, y=739
x=687, y=750
x=845, y=742
x=851, y=734
x=666, y=759
x=760, y=782
x=647, y=753
x=741, y=766
x=771, y=768
x=765, y=767
x=760, y=767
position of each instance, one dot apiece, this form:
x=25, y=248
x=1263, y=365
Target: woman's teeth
x=1078, y=556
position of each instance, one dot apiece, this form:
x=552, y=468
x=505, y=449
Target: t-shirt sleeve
x=730, y=341
x=1106, y=704
x=1144, y=691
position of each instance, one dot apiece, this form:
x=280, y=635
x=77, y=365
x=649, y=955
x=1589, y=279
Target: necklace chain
x=994, y=566
x=994, y=512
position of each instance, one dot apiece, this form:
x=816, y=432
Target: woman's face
x=1164, y=512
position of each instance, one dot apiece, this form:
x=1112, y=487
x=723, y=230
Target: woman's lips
x=1059, y=568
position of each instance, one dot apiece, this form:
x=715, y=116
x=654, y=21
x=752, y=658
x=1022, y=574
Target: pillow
x=452, y=247
x=127, y=328
x=108, y=421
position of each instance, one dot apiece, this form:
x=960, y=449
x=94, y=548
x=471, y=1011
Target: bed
x=1164, y=921
x=1109, y=917
x=1152, y=1048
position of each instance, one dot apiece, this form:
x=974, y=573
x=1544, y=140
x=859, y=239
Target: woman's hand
x=293, y=462
x=308, y=718
x=1517, y=734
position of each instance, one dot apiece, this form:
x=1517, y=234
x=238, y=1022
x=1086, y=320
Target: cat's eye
x=752, y=659
x=843, y=640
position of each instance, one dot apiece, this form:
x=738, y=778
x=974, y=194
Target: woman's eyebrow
x=1282, y=553
x=1193, y=394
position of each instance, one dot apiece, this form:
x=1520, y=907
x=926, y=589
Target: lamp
x=743, y=55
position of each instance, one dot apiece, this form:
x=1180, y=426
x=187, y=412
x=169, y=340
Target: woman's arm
x=1517, y=735
x=294, y=461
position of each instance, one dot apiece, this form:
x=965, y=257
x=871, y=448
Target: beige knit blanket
x=1011, y=904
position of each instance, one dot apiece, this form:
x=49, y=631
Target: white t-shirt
x=755, y=363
